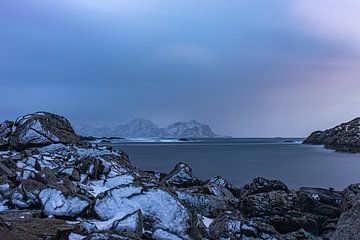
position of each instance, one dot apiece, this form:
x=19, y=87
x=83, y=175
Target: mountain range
x=141, y=127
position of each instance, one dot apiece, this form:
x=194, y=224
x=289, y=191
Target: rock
x=205, y=204
x=25, y=225
x=320, y=201
x=132, y=222
x=344, y=137
x=300, y=234
x=219, y=183
x=348, y=225
x=6, y=129
x=4, y=144
x=262, y=185
x=226, y=226
x=180, y=176
x=161, y=209
x=110, y=236
x=256, y=229
x=42, y=129
x=269, y=203
x=57, y=203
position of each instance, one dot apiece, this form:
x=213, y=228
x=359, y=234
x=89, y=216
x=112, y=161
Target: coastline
x=84, y=191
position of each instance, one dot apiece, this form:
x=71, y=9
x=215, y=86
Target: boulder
x=348, y=225
x=205, y=204
x=226, y=226
x=276, y=202
x=161, y=209
x=6, y=129
x=262, y=185
x=29, y=226
x=42, y=129
x=180, y=177
x=62, y=204
x=320, y=201
x=4, y=144
x=220, y=183
x=132, y=222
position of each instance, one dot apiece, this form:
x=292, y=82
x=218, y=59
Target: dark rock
x=226, y=226
x=42, y=129
x=4, y=144
x=6, y=129
x=320, y=201
x=180, y=176
x=348, y=225
x=256, y=229
x=268, y=203
x=20, y=225
x=343, y=138
x=262, y=185
x=217, y=184
x=205, y=204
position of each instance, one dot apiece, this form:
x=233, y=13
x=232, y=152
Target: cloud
x=186, y=54
x=336, y=20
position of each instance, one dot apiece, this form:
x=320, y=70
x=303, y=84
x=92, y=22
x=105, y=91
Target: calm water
x=240, y=160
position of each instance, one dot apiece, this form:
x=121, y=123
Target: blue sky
x=247, y=68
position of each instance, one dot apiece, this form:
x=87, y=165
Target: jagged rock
x=320, y=201
x=344, y=137
x=28, y=225
x=4, y=144
x=226, y=226
x=6, y=129
x=256, y=229
x=218, y=181
x=276, y=202
x=132, y=222
x=348, y=225
x=110, y=236
x=57, y=203
x=161, y=208
x=180, y=176
x=300, y=234
x=262, y=185
x=205, y=204
x=41, y=129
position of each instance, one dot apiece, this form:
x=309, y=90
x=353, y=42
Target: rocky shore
x=342, y=138
x=55, y=186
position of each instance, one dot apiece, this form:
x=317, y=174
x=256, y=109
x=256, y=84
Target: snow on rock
x=206, y=205
x=132, y=222
x=100, y=186
x=159, y=206
x=161, y=234
x=41, y=129
x=57, y=203
x=180, y=176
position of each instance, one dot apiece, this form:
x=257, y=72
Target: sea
x=239, y=160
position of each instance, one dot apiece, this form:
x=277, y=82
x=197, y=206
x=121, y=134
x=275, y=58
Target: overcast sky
x=247, y=68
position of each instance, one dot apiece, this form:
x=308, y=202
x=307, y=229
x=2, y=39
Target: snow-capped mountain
x=141, y=127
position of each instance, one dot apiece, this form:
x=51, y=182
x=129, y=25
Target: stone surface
x=42, y=129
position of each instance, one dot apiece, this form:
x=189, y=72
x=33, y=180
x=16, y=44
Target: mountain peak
x=142, y=127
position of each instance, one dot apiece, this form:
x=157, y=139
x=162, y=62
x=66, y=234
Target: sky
x=247, y=68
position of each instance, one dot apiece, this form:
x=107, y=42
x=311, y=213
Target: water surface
x=240, y=160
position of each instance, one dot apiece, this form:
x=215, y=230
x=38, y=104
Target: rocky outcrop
x=65, y=189
x=343, y=138
x=42, y=129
